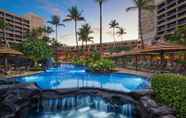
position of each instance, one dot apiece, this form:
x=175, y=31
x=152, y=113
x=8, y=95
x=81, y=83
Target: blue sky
x=112, y=9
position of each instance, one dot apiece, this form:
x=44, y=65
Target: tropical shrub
x=102, y=65
x=170, y=89
x=36, y=50
x=95, y=63
x=78, y=61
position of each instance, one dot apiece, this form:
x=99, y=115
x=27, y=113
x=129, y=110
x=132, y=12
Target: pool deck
x=130, y=71
x=19, y=74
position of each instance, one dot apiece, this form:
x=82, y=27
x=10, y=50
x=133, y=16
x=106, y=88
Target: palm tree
x=3, y=26
x=141, y=5
x=74, y=15
x=100, y=2
x=113, y=25
x=84, y=34
x=121, y=32
x=48, y=30
x=56, y=22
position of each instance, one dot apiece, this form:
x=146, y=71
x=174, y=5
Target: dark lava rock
x=163, y=110
x=168, y=116
x=147, y=102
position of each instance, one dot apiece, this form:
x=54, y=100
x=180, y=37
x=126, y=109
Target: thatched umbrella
x=4, y=51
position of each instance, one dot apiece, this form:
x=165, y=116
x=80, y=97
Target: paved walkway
x=130, y=71
x=26, y=73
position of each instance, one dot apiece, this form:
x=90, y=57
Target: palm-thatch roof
x=163, y=46
x=10, y=51
x=149, y=50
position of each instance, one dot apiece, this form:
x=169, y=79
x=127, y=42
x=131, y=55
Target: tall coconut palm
x=141, y=5
x=84, y=34
x=121, y=32
x=100, y=2
x=56, y=22
x=3, y=26
x=113, y=25
x=74, y=15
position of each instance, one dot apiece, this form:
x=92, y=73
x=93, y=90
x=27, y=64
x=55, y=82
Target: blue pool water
x=73, y=76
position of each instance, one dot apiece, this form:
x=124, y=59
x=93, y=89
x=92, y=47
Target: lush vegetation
x=36, y=50
x=95, y=63
x=102, y=65
x=170, y=89
x=179, y=36
x=4, y=25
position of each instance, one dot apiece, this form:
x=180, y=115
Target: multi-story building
x=16, y=29
x=35, y=20
x=168, y=15
x=18, y=26
x=72, y=50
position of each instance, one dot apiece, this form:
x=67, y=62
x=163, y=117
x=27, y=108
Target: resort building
x=17, y=27
x=170, y=14
x=62, y=52
x=164, y=20
x=35, y=20
x=107, y=46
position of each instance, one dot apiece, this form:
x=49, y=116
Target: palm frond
x=131, y=8
x=67, y=19
x=61, y=25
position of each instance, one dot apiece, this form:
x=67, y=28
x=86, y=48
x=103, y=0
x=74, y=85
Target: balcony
x=181, y=1
x=171, y=17
x=182, y=21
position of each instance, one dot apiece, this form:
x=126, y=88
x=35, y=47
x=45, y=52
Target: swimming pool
x=73, y=76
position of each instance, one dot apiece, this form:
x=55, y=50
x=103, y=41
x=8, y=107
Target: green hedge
x=170, y=89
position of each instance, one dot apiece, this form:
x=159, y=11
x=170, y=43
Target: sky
x=112, y=9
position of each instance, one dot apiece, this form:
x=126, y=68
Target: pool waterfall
x=82, y=107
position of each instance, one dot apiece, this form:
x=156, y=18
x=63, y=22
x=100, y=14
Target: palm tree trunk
x=56, y=34
x=114, y=37
x=86, y=46
x=82, y=45
x=76, y=34
x=100, y=26
x=140, y=28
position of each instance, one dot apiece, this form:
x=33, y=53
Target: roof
x=151, y=50
x=4, y=50
x=165, y=47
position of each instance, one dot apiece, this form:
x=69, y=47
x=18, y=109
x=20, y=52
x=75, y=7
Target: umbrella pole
x=6, y=63
x=162, y=57
x=136, y=62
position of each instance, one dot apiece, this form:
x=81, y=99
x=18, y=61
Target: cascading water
x=82, y=107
